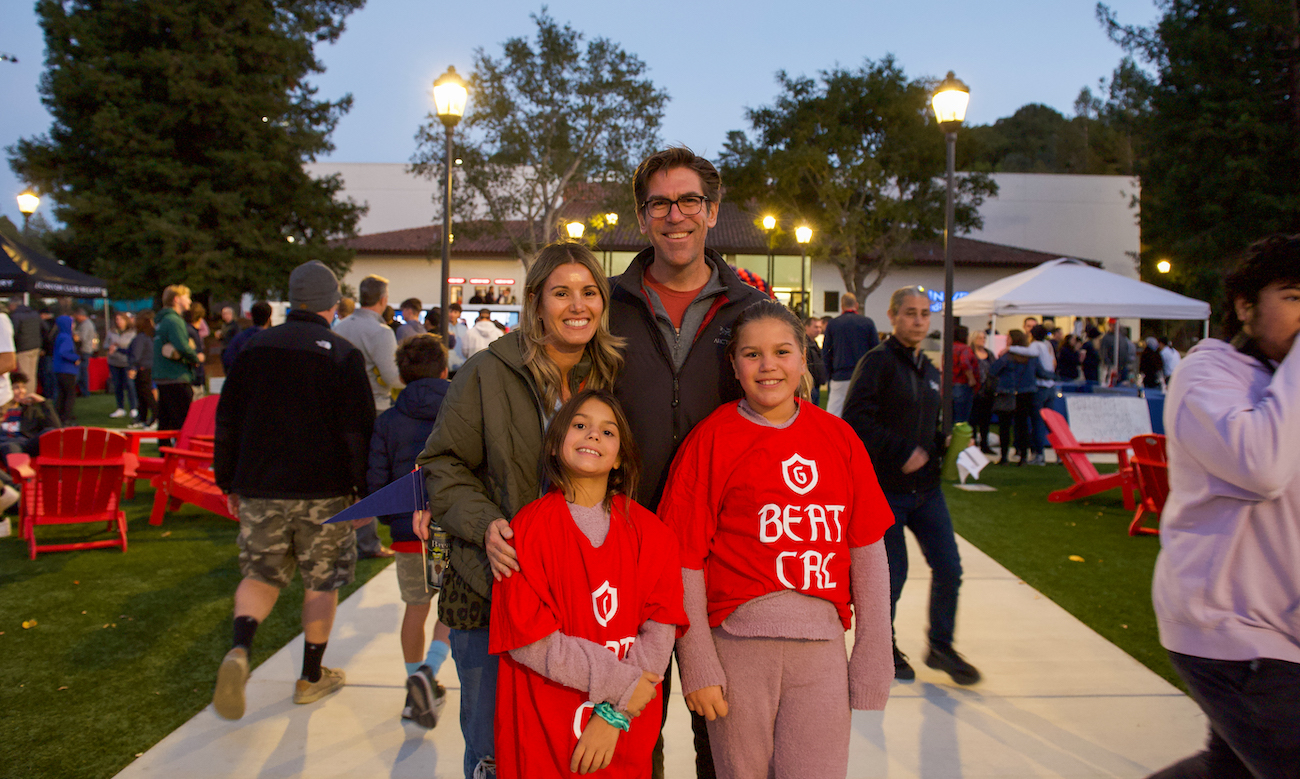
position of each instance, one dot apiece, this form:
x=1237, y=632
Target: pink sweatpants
x=788, y=709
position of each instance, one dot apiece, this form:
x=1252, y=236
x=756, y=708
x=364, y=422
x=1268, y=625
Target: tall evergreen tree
x=1220, y=159
x=179, y=136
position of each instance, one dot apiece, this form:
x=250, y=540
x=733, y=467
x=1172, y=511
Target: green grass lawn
x=126, y=646
x=1110, y=590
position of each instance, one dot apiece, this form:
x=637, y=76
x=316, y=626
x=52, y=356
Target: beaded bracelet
x=607, y=713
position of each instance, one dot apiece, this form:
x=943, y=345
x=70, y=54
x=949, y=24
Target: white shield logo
x=604, y=601
x=800, y=475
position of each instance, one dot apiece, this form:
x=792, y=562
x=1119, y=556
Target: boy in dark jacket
x=66, y=359
x=399, y=437
x=25, y=418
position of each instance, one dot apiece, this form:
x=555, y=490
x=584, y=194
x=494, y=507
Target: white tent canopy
x=1066, y=287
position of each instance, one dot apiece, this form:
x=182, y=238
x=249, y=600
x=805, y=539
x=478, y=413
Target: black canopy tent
x=24, y=270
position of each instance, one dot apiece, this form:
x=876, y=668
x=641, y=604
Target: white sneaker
x=121, y=412
x=135, y=413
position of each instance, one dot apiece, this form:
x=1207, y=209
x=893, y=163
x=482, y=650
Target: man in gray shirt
x=87, y=338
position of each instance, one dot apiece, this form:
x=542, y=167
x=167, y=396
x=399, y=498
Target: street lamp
x=449, y=96
x=27, y=203
x=1163, y=266
x=607, y=255
x=803, y=234
x=769, y=223
x=575, y=230
x=949, y=101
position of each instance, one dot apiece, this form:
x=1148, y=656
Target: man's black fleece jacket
x=295, y=415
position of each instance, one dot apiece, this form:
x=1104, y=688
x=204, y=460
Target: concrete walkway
x=1057, y=700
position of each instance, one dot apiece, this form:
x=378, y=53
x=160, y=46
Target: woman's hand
x=131, y=374
x=232, y=503
x=643, y=694
x=499, y=551
x=917, y=461
x=420, y=523
x=707, y=702
x=595, y=748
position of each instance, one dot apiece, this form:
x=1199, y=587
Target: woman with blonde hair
x=481, y=461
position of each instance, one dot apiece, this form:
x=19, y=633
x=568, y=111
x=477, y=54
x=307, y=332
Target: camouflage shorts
x=411, y=578
x=277, y=536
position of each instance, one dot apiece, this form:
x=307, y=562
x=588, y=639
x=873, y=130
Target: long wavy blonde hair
x=604, y=349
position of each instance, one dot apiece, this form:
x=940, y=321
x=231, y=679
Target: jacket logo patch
x=934, y=385
x=604, y=602
x=800, y=474
x=724, y=336
x=325, y=344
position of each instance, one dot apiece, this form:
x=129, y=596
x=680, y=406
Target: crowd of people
x=585, y=473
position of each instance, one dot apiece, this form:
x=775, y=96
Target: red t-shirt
x=675, y=303
x=761, y=509
x=603, y=594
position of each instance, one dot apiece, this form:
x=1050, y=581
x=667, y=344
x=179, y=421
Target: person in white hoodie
x=481, y=334
x=1227, y=582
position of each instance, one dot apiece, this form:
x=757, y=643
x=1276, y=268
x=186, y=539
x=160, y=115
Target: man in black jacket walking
x=893, y=405
x=292, y=438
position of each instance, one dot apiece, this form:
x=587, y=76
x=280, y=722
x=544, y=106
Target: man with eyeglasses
x=675, y=305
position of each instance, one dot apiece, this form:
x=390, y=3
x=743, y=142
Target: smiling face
x=1274, y=321
x=570, y=308
x=911, y=321
x=678, y=240
x=769, y=364
x=592, y=444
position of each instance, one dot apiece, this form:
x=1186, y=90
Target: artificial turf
x=126, y=645
x=1108, y=589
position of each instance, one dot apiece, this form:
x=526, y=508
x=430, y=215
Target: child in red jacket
x=588, y=623
x=780, y=521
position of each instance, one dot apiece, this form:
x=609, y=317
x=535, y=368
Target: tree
x=544, y=117
x=857, y=155
x=179, y=135
x=1220, y=134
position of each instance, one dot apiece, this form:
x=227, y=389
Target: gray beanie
x=313, y=287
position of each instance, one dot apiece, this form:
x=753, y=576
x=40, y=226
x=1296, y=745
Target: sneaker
x=903, y=670
x=486, y=769
x=426, y=696
x=947, y=660
x=232, y=676
x=406, y=707
x=151, y=426
x=135, y=413
x=331, y=679
x=121, y=412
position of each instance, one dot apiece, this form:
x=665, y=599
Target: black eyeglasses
x=688, y=205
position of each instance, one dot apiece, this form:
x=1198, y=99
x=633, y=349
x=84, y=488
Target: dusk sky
x=715, y=60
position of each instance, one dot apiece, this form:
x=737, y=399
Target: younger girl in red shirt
x=587, y=624
x=780, y=521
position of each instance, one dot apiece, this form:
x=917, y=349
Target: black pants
x=981, y=418
x=1254, y=712
x=67, y=397
x=173, y=404
x=699, y=726
x=1024, y=407
x=148, y=404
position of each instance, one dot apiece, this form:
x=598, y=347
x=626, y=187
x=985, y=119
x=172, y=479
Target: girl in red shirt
x=780, y=521
x=587, y=624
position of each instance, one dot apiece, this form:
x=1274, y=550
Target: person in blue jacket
x=1019, y=374
x=66, y=360
x=399, y=437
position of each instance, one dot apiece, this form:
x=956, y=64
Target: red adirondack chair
x=1074, y=456
x=187, y=477
x=1151, y=472
x=76, y=479
x=200, y=420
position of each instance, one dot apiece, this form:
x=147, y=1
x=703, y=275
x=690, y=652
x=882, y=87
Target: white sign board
x=1107, y=418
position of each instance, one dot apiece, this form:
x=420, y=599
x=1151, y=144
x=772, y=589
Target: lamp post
x=607, y=255
x=803, y=234
x=575, y=230
x=1164, y=266
x=769, y=223
x=449, y=96
x=27, y=203
x=949, y=101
